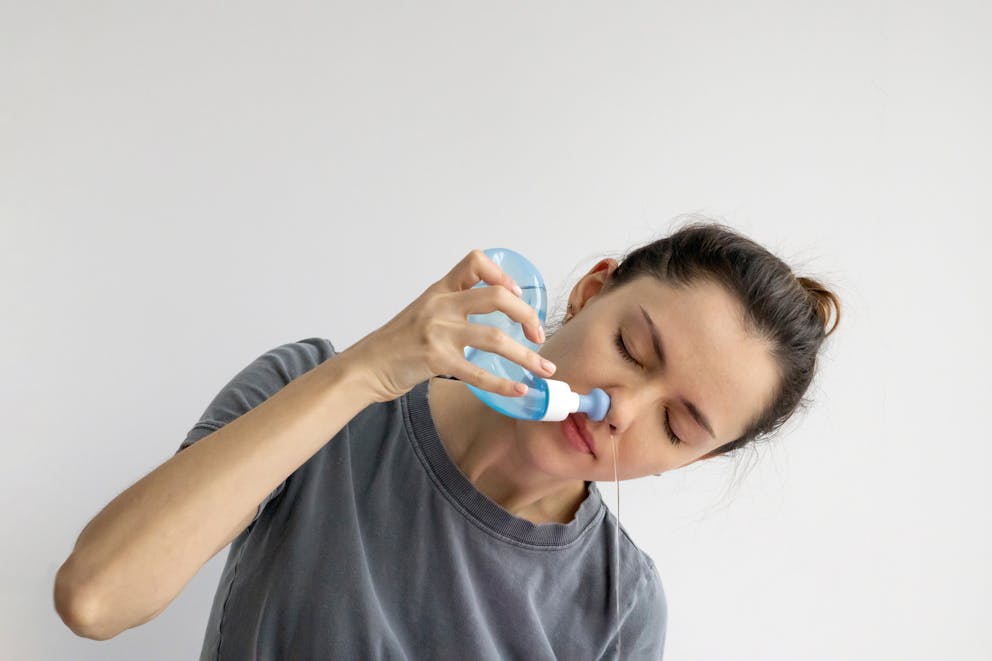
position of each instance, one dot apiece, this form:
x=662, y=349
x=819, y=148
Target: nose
x=629, y=404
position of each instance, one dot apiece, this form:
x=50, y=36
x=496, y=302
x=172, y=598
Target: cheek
x=562, y=351
x=530, y=431
x=645, y=448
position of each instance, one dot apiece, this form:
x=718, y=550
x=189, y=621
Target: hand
x=428, y=337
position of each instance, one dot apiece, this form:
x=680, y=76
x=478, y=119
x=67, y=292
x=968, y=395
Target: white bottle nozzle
x=562, y=401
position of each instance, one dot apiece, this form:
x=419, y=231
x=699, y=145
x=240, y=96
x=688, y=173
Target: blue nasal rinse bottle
x=545, y=399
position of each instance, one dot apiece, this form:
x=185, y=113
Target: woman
x=430, y=526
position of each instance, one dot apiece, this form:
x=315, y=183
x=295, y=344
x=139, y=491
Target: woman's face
x=709, y=362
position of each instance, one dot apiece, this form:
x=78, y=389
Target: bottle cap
x=561, y=400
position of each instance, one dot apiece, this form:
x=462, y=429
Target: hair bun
x=824, y=301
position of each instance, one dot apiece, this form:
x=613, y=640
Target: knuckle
x=432, y=350
x=494, y=335
x=429, y=323
x=437, y=366
x=502, y=295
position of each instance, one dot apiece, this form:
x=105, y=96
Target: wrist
x=348, y=372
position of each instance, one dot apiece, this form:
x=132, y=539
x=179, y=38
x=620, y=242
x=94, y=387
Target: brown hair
x=790, y=312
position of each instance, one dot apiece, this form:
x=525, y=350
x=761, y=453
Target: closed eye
x=622, y=348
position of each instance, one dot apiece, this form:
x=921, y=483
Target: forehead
x=703, y=302
x=711, y=359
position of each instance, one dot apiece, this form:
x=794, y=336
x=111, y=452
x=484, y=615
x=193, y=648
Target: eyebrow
x=659, y=350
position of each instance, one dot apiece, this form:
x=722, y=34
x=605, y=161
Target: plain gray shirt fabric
x=379, y=547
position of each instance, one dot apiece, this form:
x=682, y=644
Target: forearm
x=138, y=553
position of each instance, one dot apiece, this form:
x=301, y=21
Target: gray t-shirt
x=379, y=547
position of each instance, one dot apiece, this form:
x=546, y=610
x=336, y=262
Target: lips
x=580, y=424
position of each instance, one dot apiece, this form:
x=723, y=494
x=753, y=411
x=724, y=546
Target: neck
x=492, y=451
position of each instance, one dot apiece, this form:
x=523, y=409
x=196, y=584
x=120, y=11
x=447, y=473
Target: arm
x=139, y=552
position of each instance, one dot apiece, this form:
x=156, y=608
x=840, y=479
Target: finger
x=484, y=300
x=475, y=267
x=496, y=341
x=480, y=378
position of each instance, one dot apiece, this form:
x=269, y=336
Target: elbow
x=78, y=607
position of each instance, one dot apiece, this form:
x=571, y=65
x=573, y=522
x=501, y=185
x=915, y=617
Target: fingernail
x=517, y=290
x=548, y=365
x=540, y=333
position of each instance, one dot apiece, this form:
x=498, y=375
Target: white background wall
x=186, y=185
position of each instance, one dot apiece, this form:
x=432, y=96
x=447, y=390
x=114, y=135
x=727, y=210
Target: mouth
x=574, y=429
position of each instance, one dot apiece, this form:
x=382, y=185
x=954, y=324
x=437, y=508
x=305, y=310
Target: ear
x=590, y=285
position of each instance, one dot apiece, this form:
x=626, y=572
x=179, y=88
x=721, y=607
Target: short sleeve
x=642, y=634
x=254, y=384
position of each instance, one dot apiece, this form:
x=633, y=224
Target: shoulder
x=257, y=380
x=275, y=368
x=650, y=589
x=280, y=365
x=306, y=353
x=283, y=363
x=647, y=619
